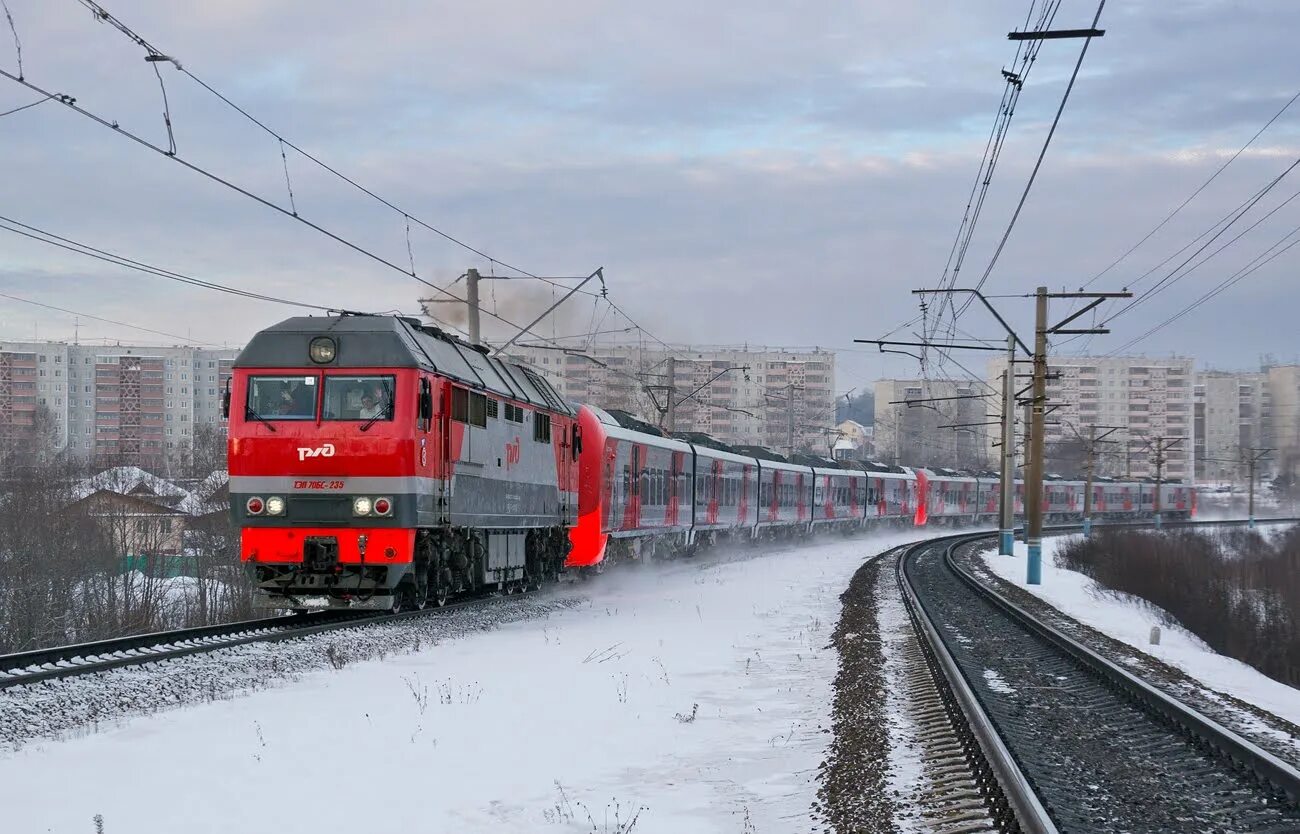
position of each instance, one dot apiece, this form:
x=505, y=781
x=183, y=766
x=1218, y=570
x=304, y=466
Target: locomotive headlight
x=275, y=505
x=322, y=350
x=254, y=506
x=361, y=506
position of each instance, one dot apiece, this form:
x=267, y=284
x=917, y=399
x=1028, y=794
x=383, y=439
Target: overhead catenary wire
x=1033, y=175
x=70, y=245
x=1014, y=84
x=1240, y=275
x=1194, y=194
x=1174, y=277
x=185, y=339
x=157, y=55
x=71, y=103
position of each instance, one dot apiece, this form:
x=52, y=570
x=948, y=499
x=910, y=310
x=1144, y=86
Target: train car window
x=491, y=408
x=460, y=405
x=358, y=398
x=542, y=427
x=282, y=397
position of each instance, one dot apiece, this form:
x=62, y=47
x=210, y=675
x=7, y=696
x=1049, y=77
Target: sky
x=763, y=175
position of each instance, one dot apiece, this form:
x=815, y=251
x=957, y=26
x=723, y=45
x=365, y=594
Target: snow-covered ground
x=1130, y=620
x=695, y=694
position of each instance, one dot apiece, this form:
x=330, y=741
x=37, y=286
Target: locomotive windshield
x=358, y=398
x=282, y=397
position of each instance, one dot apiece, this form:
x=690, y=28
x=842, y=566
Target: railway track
x=87, y=658
x=1063, y=739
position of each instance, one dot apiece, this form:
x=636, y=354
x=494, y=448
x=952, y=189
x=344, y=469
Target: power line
x=25, y=107
x=1173, y=277
x=997, y=253
x=70, y=103
x=1227, y=283
x=107, y=321
x=1014, y=83
x=157, y=56
x=70, y=245
x=1194, y=194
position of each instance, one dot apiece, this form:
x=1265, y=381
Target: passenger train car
x=377, y=462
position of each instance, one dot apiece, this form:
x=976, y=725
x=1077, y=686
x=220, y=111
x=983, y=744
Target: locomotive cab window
x=282, y=397
x=358, y=398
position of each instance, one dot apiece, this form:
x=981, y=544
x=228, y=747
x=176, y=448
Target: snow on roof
x=136, y=482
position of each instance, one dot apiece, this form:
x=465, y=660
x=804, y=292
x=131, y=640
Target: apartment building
x=1284, y=437
x=1149, y=399
x=739, y=395
x=925, y=434
x=119, y=403
x=1233, y=414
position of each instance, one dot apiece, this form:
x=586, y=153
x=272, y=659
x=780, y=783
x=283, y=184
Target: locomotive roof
x=396, y=342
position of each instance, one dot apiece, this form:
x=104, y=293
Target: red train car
x=379, y=463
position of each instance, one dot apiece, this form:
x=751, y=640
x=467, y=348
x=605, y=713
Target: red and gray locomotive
x=377, y=462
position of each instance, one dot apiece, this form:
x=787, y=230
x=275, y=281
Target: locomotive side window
x=281, y=397
x=514, y=413
x=468, y=407
x=542, y=427
x=358, y=398
x=491, y=408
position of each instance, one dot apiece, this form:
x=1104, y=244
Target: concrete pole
x=1087, y=489
x=1160, y=470
x=1250, y=512
x=1007, y=523
x=789, y=417
x=670, y=418
x=471, y=298
x=1034, y=478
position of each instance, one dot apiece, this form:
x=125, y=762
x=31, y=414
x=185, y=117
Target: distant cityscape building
x=121, y=403
x=1284, y=437
x=1233, y=414
x=1150, y=400
x=910, y=435
x=746, y=395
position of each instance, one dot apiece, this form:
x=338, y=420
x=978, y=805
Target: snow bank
x=1129, y=619
x=696, y=693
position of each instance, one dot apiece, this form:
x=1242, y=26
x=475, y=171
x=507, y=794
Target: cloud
x=785, y=175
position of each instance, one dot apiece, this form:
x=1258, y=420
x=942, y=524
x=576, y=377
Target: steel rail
x=1017, y=790
x=88, y=658
x=1021, y=800
x=1245, y=753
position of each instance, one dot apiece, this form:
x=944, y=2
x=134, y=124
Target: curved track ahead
x=1076, y=743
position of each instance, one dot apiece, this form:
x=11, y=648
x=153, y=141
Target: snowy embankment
x=693, y=694
x=1129, y=620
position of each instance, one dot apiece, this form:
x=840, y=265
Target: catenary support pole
x=1006, y=538
x=1087, y=488
x=1034, y=478
x=471, y=300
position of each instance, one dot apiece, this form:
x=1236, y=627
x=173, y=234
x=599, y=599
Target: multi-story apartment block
x=911, y=435
x=744, y=395
x=1149, y=399
x=115, y=403
x=1233, y=414
x=1284, y=439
